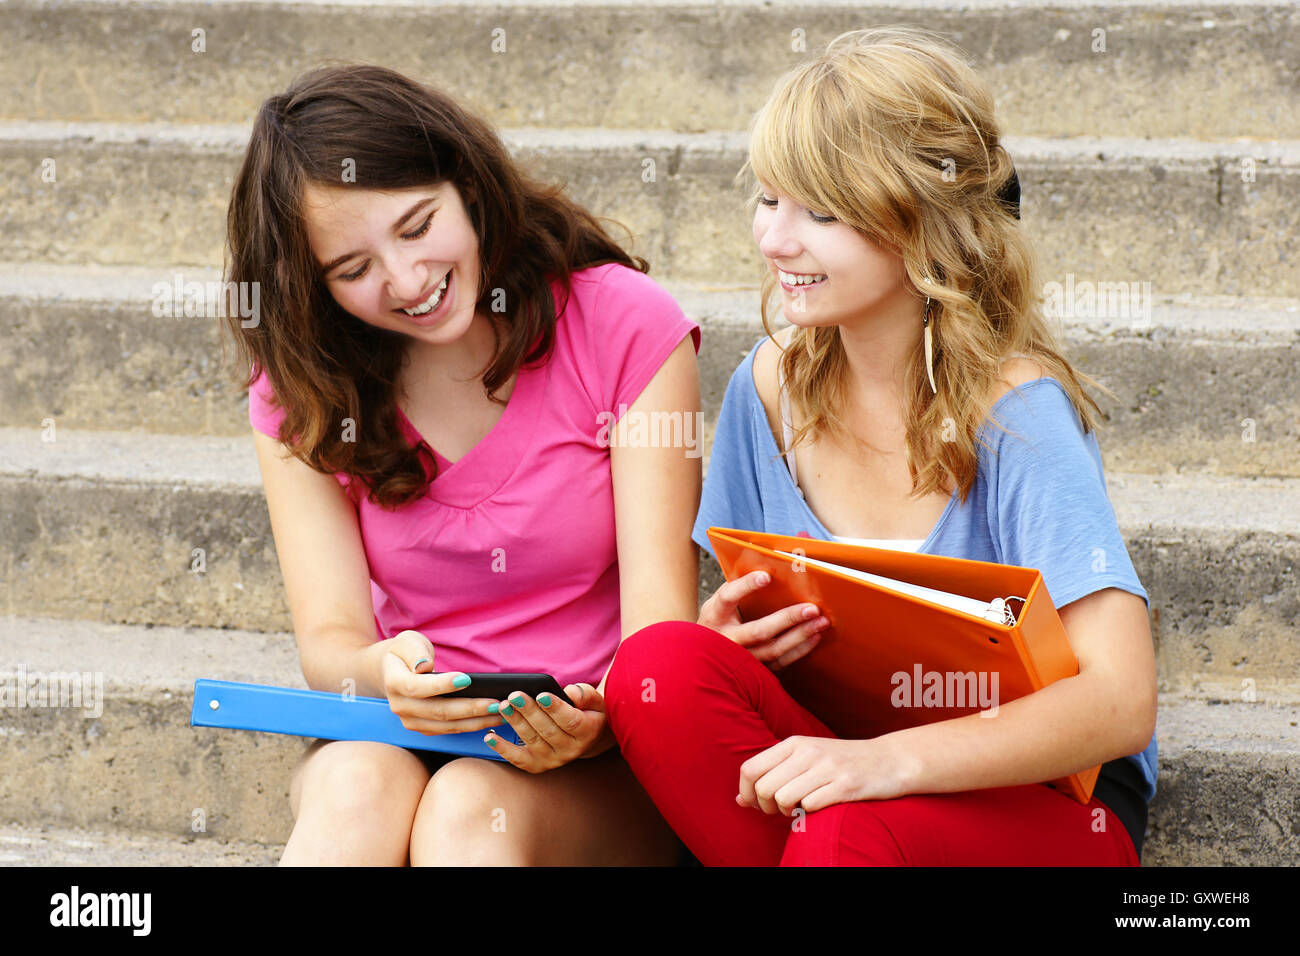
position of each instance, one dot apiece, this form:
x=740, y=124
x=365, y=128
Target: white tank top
x=787, y=430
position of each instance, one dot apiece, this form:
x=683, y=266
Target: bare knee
x=469, y=814
x=356, y=777
x=353, y=804
x=295, y=783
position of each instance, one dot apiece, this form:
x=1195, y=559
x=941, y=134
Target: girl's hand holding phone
x=552, y=732
x=777, y=640
x=413, y=691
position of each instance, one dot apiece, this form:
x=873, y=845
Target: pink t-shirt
x=508, y=563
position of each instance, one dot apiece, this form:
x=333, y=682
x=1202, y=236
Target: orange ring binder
x=931, y=662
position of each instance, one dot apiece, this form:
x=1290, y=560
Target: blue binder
x=316, y=713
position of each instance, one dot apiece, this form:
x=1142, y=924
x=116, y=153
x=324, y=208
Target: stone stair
x=136, y=543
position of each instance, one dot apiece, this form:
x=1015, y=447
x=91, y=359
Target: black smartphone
x=499, y=686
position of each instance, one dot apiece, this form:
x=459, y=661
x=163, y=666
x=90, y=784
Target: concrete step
x=1225, y=792
x=1202, y=381
x=41, y=845
x=151, y=529
x=1172, y=216
x=127, y=758
x=1166, y=68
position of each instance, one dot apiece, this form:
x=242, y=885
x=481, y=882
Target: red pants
x=712, y=706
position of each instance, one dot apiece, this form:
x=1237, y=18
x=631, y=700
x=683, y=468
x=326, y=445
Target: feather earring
x=929, y=347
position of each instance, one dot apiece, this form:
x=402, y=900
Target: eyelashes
x=771, y=203
x=406, y=235
x=421, y=231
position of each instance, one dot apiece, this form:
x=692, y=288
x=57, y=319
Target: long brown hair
x=891, y=131
x=324, y=364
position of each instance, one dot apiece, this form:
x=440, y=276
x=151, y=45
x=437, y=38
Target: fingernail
x=810, y=611
x=544, y=700
x=764, y=578
x=506, y=710
x=823, y=621
x=422, y=660
x=493, y=708
x=519, y=701
x=490, y=741
x=461, y=680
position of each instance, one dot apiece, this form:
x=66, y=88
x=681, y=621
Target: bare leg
x=352, y=803
x=588, y=812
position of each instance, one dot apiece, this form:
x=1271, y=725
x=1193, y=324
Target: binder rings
x=314, y=713
x=891, y=659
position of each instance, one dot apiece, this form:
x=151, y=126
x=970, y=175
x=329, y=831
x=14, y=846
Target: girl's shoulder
x=610, y=278
x=617, y=329
x=1017, y=370
x=613, y=295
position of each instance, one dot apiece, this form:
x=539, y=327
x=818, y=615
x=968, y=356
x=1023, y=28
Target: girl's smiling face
x=829, y=273
x=382, y=252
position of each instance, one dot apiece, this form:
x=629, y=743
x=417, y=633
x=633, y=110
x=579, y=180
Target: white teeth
x=431, y=303
x=791, y=278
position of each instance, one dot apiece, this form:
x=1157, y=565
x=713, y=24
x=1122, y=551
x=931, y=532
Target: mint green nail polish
x=519, y=701
x=506, y=710
x=461, y=680
x=544, y=700
x=491, y=741
x=493, y=708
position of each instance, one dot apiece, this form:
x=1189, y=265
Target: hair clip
x=1009, y=194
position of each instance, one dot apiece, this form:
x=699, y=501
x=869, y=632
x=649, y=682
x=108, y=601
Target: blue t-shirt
x=1038, y=500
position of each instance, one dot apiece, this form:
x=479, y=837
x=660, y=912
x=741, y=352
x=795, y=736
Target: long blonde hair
x=892, y=132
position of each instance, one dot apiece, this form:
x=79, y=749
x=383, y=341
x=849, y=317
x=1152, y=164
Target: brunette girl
x=441, y=342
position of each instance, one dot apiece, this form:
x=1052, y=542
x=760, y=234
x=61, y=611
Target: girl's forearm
x=329, y=658
x=674, y=597
x=1065, y=727
x=677, y=602
x=678, y=612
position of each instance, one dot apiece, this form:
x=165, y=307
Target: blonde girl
x=917, y=401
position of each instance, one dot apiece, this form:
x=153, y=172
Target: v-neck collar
x=470, y=479
x=477, y=474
